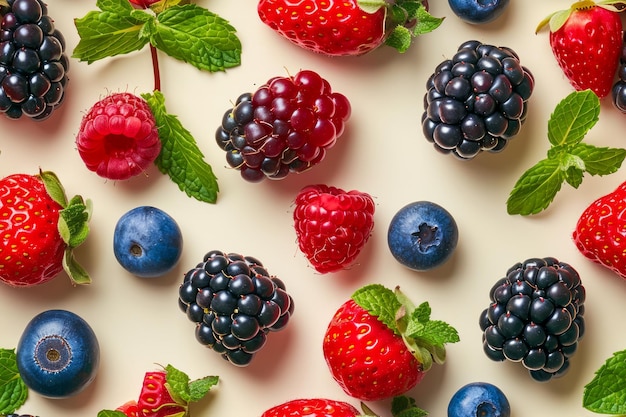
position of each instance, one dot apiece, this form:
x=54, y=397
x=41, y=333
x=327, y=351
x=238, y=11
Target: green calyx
x=557, y=19
x=401, y=406
x=406, y=19
x=424, y=337
x=73, y=224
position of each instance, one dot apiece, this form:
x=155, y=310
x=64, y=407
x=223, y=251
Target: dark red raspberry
x=285, y=126
x=118, y=137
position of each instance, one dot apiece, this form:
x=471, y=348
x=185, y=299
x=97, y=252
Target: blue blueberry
x=479, y=399
x=478, y=11
x=147, y=242
x=422, y=235
x=58, y=354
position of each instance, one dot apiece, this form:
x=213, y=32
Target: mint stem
x=155, y=68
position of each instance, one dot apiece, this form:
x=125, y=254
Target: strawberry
x=599, y=232
x=332, y=225
x=378, y=345
x=40, y=229
x=340, y=28
x=322, y=407
x=586, y=41
x=155, y=399
x=118, y=137
x=143, y=4
x=129, y=408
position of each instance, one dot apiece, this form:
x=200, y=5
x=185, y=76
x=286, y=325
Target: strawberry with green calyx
x=578, y=34
x=165, y=393
x=181, y=30
x=378, y=316
x=40, y=230
x=354, y=27
x=568, y=159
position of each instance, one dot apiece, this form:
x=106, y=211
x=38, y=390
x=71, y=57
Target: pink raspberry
x=118, y=137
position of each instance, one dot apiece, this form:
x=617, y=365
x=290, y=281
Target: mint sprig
x=568, y=159
x=424, y=337
x=13, y=391
x=411, y=19
x=606, y=392
x=180, y=157
x=187, y=32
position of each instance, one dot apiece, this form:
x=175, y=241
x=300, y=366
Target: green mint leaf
x=74, y=270
x=74, y=222
x=379, y=301
x=433, y=332
x=573, y=117
x=536, y=188
x=606, y=393
x=599, y=160
x=180, y=157
x=426, y=22
x=199, y=388
x=197, y=36
x=114, y=30
x=400, y=39
x=177, y=384
x=403, y=406
x=13, y=391
x=574, y=176
x=111, y=413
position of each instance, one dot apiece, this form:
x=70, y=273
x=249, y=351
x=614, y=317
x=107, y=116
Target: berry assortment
x=233, y=301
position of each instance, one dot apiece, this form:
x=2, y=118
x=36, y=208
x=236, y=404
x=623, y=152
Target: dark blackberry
x=535, y=317
x=33, y=62
x=235, y=303
x=286, y=126
x=618, y=93
x=476, y=101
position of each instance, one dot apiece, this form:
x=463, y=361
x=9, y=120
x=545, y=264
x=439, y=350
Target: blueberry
x=478, y=11
x=147, y=242
x=58, y=354
x=422, y=235
x=479, y=399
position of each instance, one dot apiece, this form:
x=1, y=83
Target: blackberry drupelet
x=285, y=126
x=476, y=101
x=33, y=62
x=235, y=303
x=535, y=317
x=618, y=93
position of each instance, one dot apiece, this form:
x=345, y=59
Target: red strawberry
x=40, y=228
x=155, y=399
x=339, y=27
x=378, y=346
x=586, y=41
x=332, y=225
x=599, y=233
x=118, y=137
x=129, y=408
x=144, y=4
x=315, y=407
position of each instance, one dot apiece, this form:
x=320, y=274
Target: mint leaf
x=195, y=35
x=536, y=188
x=599, y=161
x=180, y=157
x=177, y=384
x=403, y=406
x=112, y=31
x=606, y=393
x=379, y=301
x=199, y=388
x=573, y=117
x=400, y=39
x=426, y=22
x=13, y=391
x=111, y=413
x=433, y=332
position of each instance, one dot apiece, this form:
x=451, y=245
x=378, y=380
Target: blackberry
x=476, y=101
x=33, y=62
x=285, y=126
x=235, y=304
x=618, y=93
x=535, y=317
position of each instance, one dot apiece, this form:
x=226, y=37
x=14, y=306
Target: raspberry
x=618, y=93
x=332, y=225
x=285, y=126
x=118, y=137
x=535, y=317
x=476, y=101
x=33, y=63
x=235, y=303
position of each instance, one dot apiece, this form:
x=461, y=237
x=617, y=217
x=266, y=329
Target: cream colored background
x=383, y=152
